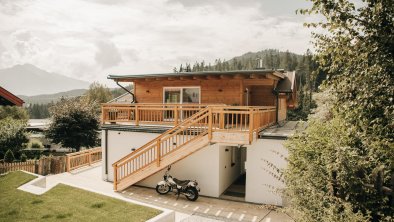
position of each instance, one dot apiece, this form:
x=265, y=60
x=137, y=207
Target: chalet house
x=9, y=99
x=207, y=125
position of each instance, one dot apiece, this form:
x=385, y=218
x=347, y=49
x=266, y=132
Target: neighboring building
x=9, y=99
x=208, y=125
x=124, y=98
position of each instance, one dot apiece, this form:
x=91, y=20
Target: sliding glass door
x=180, y=95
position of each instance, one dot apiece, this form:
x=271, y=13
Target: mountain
x=47, y=98
x=29, y=80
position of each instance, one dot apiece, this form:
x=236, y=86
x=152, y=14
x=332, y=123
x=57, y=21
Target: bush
x=36, y=145
x=23, y=157
x=9, y=157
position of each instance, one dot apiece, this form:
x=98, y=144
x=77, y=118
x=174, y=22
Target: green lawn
x=63, y=203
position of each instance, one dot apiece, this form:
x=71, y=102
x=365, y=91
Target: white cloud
x=125, y=37
x=107, y=55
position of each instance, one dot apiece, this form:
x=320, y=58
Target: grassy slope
x=63, y=203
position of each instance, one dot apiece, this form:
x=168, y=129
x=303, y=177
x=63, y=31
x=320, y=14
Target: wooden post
x=175, y=115
x=68, y=163
x=158, y=145
x=137, y=116
x=116, y=177
x=221, y=119
x=250, y=125
x=90, y=157
x=210, y=124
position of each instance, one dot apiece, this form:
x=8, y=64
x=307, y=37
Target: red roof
x=7, y=98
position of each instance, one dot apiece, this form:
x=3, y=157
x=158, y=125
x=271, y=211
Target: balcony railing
x=155, y=114
x=224, y=118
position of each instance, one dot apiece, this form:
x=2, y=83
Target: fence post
x=116, y=177
x=221, y=119
x=210, y=124
x=158, y=145
x=175, y=115
x=89, y=157
x=137, y=116
x=68, y=163
x=251, y=123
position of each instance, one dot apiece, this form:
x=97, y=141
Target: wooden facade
x=238, y=92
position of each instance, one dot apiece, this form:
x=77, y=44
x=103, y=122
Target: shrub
x=23, y=157
x=9, y=156
x=36, y=145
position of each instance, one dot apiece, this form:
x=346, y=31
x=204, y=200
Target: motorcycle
x=189, y=188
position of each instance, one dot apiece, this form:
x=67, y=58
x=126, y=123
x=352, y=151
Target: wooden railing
x=83, y=158
x=155, y=113
x=244, y=120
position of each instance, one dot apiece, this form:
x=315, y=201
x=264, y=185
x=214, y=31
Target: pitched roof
x=9, y=99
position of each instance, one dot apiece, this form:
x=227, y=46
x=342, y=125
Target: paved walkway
x=204, y=209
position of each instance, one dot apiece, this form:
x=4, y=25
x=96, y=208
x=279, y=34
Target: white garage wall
x=202, y=166
x=261, y=186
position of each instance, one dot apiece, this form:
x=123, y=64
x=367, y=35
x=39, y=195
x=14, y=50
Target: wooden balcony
x=234, y=124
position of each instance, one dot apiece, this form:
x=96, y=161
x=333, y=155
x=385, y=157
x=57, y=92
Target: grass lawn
x=63, y=203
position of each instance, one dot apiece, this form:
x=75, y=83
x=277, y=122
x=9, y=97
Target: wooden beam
x=239, y=76
x=186, y=77
x=226, y=76
x=270, y=76
x=173, y=78
x=199, y=77
x=212, y=77
x=256, y=76
x=259, y=82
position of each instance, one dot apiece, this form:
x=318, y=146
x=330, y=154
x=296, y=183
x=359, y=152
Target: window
x=181, y=95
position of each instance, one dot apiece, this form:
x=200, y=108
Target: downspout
x=132, y=94
x=277, y=107
x=106, y=153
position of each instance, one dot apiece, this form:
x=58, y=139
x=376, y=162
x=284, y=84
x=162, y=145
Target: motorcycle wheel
x=191, y=193
x=163, y=189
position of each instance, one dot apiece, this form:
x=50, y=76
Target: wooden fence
x=55, y=164
x=83, y=158
x=42, y=166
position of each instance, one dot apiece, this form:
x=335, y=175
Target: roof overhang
x=11, y=98
x=219, y=74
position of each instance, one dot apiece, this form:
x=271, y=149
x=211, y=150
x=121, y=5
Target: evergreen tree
x=9, y=156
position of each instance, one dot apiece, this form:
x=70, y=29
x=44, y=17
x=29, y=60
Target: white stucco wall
x=261, y=185
x=202, y=166
x=211, y=166
x=120, y=144
x=228, y=174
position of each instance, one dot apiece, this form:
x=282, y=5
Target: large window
x=181, y=95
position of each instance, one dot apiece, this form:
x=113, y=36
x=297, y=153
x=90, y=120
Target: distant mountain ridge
x=29, y=80
x=47, y=98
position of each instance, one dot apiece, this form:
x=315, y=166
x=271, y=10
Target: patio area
x=204, y=209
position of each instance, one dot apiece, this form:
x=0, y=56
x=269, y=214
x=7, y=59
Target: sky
x=90, y=39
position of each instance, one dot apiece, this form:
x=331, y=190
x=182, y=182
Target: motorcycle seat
x=181, y=182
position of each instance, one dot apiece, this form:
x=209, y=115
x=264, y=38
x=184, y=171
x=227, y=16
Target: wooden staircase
x=212, y=124
x=168, y=148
